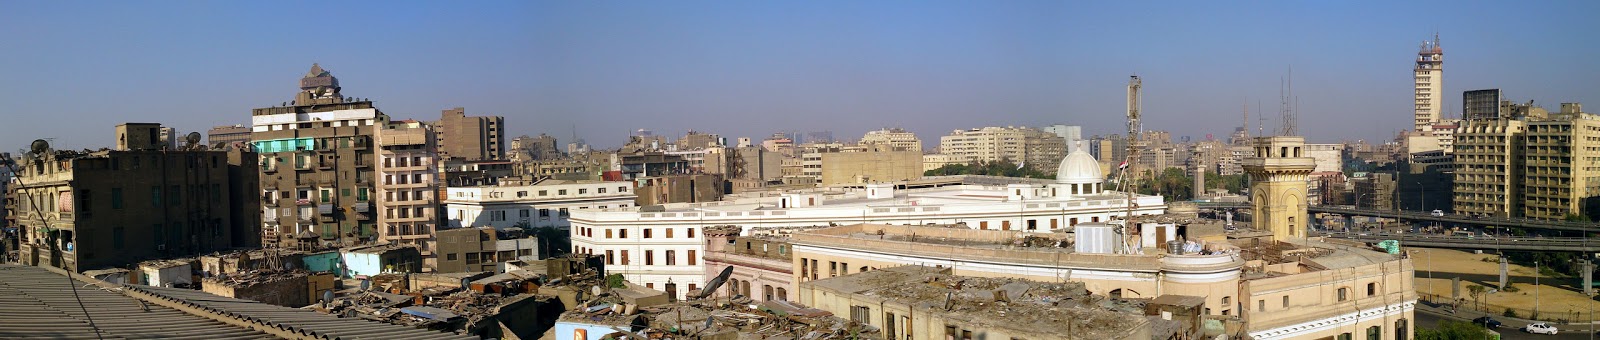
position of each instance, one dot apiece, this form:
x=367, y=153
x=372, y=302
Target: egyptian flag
x=1123, y=166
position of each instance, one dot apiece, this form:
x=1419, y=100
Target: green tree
x=1453, y=330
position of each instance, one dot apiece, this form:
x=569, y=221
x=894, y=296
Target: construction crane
x=1126, y=182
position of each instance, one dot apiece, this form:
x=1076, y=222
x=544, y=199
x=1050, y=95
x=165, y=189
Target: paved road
x=1428, y=318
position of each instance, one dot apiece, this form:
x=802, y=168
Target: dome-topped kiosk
x=1079, y=174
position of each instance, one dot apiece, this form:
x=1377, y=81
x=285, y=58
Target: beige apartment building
x=317, y=165
x=407, y=186
x=1489, y=167
x=1040, y=149
x=872, y=166
x=895, y=139
x=470, y=138
x=1561, y=159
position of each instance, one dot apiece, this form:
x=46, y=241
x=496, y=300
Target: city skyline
x=747, y=70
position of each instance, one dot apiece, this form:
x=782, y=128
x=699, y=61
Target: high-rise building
x=1428, y=77
x=1278, y=185
x=114, y=208
x=1488, y=169
x=470, y=138
x=1561, y=160
x=407, y=186
x=317, y=165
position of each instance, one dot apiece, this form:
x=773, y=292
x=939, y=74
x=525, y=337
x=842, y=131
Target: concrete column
x=1503, y=277
x=1588, y=278
x=1455, y=288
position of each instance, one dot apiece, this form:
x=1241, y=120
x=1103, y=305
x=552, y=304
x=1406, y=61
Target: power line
x=12, y=165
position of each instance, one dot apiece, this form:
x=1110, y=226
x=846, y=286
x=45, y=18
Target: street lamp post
x=1535, y=290
x=1429, y=269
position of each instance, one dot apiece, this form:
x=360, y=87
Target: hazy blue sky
x=72, y=70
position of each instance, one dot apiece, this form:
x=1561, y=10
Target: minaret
x=1429, y=82
x=1278, y=174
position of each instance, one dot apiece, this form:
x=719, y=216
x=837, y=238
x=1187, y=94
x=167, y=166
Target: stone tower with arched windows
x=1278, y=174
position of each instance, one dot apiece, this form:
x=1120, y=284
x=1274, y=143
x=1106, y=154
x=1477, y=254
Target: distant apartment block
x=1023, y=145
x=228, y=135
x=895, y=139
x=470, y=138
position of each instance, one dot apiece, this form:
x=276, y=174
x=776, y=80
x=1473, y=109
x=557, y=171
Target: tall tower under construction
x=1429, y=82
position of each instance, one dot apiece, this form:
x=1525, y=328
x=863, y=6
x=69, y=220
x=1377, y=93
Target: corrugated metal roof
x=300, y=321
x=37, y=303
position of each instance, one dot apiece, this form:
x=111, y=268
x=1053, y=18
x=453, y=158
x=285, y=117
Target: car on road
x=1487, y=322
x=1540, y=328
x=1438, y=213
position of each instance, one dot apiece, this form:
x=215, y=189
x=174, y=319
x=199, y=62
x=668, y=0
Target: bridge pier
x=1503, y=267
x=1588, y=277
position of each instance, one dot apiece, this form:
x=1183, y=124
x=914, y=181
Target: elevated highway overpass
x=1575, y=244
x=1419, y=216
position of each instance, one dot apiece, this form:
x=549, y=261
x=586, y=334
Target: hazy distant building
x=543, y=147
x=895, y=139
x=470, y=138
x=317, y=165
x=1071, y=133
x=1428, y=79
x=228, y=135
x=1024, y=145
x=819, y=137
x=870, y=166
x=1329, y=157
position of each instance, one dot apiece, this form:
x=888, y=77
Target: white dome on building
x=1079, y=168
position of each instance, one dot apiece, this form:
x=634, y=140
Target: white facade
x=637, y=244
x=542, y=205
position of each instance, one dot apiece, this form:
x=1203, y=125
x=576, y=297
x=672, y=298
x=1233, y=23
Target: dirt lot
x=1559, y=298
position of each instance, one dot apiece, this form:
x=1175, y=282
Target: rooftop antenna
x=1261, y=121
x=1245, y=104
x=1285, y=108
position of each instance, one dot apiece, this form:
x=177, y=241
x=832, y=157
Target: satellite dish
x=40, y=145
x=193, y=138
x=466, y=282
x=327, y=295
x=366, y=284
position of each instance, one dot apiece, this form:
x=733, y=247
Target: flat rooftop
x=1028, y=306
